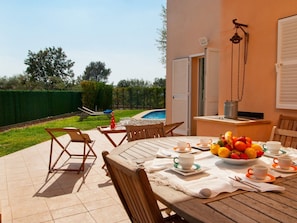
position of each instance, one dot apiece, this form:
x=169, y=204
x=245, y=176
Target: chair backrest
x=136, y=132
x=168, y=128
x=76, y=135
x=285, y=131
x=288, y=138
x=287, y=122
x=134, y=190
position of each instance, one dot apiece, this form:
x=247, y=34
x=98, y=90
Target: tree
x=96, y=71
x=162, y=41
x=133, y=83
x=50, y=68
x=17, y=82
x=159, y=82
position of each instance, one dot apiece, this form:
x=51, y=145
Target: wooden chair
x=76, y=136
x=135, y=192
x=136, y=132
x=285, y=131
x=168, y=128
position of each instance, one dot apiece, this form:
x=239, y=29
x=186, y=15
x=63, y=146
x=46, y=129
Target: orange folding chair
x=76, y=136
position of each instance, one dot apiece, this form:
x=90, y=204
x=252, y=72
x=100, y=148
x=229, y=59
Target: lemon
x=251, y=153
x=224, y=152
x=214, y=148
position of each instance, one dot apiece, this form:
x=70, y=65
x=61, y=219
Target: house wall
x=189, y=20
x=261, y=16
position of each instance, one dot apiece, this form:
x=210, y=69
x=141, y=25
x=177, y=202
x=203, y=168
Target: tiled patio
x=29, y=194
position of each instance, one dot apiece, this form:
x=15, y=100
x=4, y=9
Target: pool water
x=160, y=114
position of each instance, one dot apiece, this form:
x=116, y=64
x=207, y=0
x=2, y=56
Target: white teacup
x=205, y=141
x=258, y=171
x=284, y=162
x=186, y=160
x=181, y=145
x=273, y=146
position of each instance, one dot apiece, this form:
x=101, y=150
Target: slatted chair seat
x=135, y=192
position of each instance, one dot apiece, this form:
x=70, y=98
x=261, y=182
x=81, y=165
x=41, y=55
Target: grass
x=19, y=138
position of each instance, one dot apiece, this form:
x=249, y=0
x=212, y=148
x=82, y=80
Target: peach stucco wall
x=189, y=20
x=261, y=16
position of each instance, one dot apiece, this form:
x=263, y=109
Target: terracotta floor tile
x=82, y=217
x=68, y=211
x=97, y=204
x=30, y=194
x=109, y=214
x=36, y=218
x=28, y=207
x=62, y=201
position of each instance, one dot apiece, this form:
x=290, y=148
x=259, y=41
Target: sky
x=120, y=33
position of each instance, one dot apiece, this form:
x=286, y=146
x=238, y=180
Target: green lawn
x=19, y=138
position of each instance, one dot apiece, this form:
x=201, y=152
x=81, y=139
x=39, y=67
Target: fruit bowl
x=236, y=150
x=237, y=161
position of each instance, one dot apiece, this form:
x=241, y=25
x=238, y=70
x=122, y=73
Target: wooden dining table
x=237, y=206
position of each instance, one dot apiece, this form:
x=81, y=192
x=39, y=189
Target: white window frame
x=286, y=66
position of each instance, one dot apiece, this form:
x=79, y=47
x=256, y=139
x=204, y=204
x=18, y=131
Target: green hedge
x=22, y=106
x=96, y=95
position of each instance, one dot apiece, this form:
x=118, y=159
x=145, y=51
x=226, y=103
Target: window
x=286, y=67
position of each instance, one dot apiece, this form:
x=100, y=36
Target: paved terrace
x=29, y=194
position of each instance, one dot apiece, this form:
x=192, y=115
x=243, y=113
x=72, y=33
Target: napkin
x=158, y=164
x=201, y=185
x=163, y=153
x=262, y=186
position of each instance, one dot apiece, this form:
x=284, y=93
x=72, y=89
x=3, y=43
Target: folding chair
x=136, y=132
x=135, y=192
x=76, y=136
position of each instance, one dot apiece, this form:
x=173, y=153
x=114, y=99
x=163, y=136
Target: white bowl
x=238, y=161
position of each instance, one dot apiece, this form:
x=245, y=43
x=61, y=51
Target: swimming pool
x=156, y=114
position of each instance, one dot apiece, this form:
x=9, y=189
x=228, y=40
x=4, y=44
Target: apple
x=242, y=139
x=234, y=156
x=260, y=153
x=243, y=156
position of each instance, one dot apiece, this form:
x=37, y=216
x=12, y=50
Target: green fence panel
x=22, y=106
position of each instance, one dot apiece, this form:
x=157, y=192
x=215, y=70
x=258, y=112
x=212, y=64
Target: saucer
x=179, y=167
x=269, y=154
x=276, y=167
x=268, y=179
x=203, y=145
x=195, y=170
x=186, y=150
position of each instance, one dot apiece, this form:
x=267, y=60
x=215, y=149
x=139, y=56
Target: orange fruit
x=240, y=146
x=257, y=147
x=251, y=153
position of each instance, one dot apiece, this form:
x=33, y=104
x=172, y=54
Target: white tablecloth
x=215, y=177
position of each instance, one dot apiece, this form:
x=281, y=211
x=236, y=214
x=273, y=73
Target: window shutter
x=286, y=67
